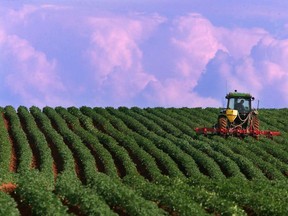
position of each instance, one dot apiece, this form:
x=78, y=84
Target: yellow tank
x=231, y=114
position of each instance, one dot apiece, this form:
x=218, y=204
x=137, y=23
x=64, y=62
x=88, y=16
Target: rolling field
x=107, y=161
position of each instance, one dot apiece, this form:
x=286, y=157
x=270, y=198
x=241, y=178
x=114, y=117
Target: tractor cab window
x=240, y=104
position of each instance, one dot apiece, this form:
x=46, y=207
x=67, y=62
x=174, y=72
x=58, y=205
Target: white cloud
x=269, y=59
x=34, y=77
x=257, y=60
x=239, y=41
x=250, y=59
x=195, y=37
x=175, y=93
x=197, y=41
x=194, y=41
x=263, y=78
x=116, y=56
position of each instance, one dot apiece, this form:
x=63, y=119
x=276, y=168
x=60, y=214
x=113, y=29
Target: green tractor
x=238, y=119
x=238, y=115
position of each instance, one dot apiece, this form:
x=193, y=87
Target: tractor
x=238, y=119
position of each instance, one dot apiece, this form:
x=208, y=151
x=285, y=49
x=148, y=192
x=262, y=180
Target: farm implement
x=238, y=119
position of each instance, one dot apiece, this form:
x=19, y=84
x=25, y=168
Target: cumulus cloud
x=239, y=41
x=195, y=37
x=243, y=73
x=262, y=71
x=116, y=56
x=269, y=57
x=213, y=58
x=174, y=93
x=192, y=38
x=34, y=77
x=102, y=59
x=117, y=60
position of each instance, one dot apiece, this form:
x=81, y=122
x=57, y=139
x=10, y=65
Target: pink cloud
x=262, y=71
x=22, y=13
x=239, y=42
x=253, y=59
x=271, y=63
x=195, y=37
x=176, y=93
x=274, y=50
x=115, y=48
x=116, y=56
x=34, y=78
x=115, y=41
x=198, y=41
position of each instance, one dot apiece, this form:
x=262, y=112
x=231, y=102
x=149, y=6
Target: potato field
x=138, y=161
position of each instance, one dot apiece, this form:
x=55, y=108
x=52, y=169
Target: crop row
x=93, y=161
x=114, y=193
x=170, y=129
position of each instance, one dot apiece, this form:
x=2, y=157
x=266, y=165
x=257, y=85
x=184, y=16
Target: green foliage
x=133, y=161
x=8, y=206
x=34, y=189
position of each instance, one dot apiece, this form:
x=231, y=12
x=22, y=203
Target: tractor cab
x=239, y=101
x=238, y=113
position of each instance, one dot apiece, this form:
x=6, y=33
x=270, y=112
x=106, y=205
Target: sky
x=151, y=53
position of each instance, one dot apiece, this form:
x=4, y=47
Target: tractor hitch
x=236, y=132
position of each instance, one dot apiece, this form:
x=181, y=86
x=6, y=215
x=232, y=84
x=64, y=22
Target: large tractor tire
x=255, y=125
x=222, y=123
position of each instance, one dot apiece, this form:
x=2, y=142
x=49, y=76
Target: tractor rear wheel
x=222, y=123
x=255, y=125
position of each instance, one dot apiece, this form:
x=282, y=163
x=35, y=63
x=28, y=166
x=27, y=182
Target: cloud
x=213, y=58
x=175, y=93
x=239, y=41
x=117, y=61
x=258, y=67
x=108, y=59
x=22, y=13
x=33, y=77
x=116, y=56
x=195, y=37
x=270, y=56
x=192, y=38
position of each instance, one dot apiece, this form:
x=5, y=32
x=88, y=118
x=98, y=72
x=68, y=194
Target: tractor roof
x=238, y=95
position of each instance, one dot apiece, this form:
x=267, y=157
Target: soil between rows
x=13, y=158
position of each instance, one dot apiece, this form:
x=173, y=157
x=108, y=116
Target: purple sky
x=142, y=53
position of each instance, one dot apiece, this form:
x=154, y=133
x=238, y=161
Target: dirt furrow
x=23, y=208
x=57, y=160
x=13, y=158
x=99, y=164
x=77, y=161
x=36, y=160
